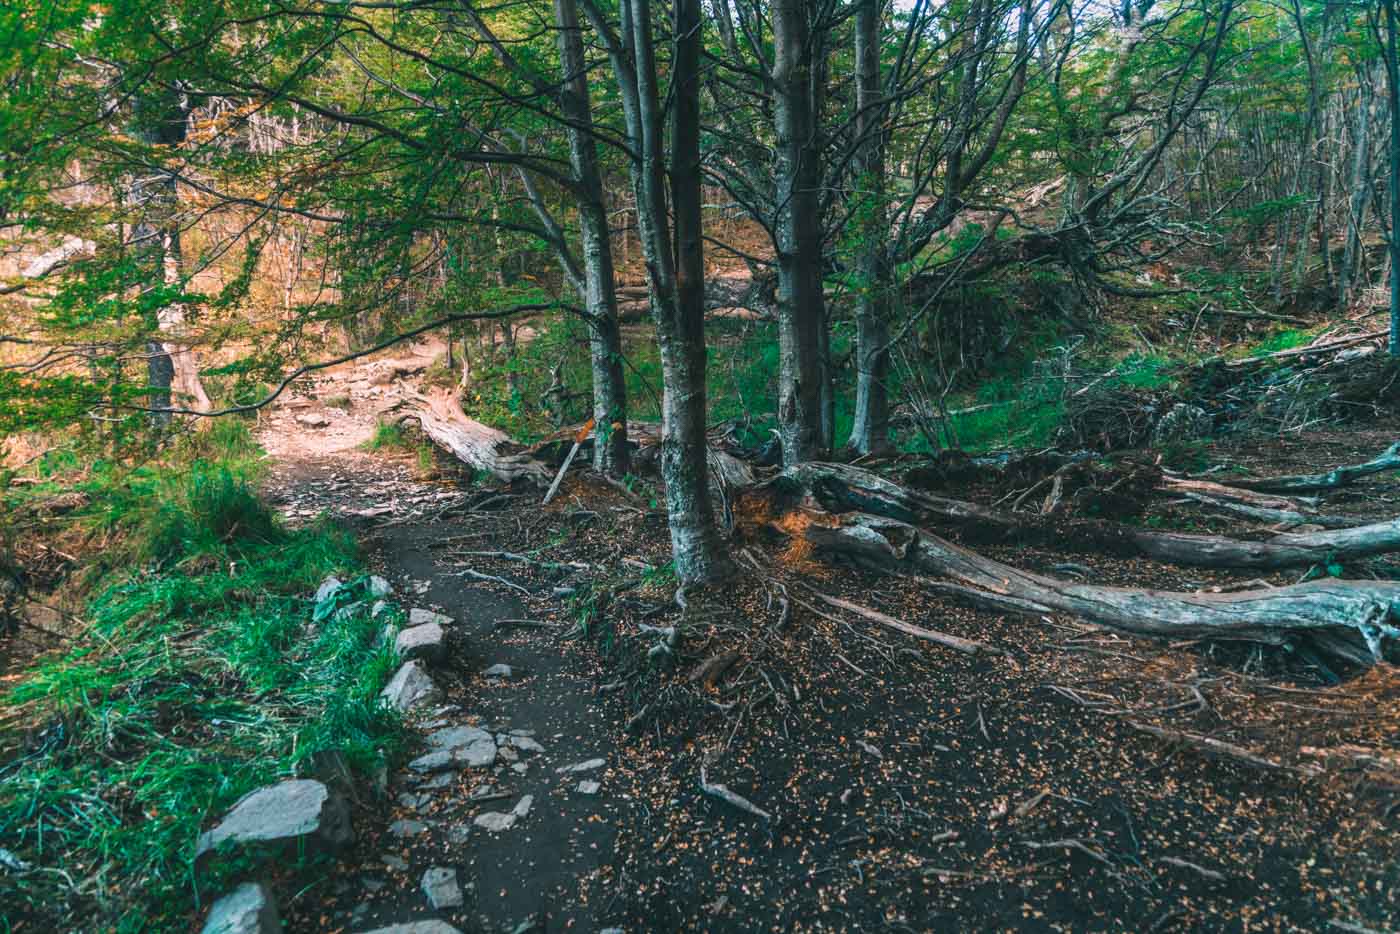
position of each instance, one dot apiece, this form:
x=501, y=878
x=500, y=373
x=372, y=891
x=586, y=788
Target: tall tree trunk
x=600, y=288
x=1393, y=73
x=1354, y=252
x=676, y=282
x=801, y=315
x=870, y=430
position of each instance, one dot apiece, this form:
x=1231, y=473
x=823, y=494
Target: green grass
x=388, y=436
x=200, y=677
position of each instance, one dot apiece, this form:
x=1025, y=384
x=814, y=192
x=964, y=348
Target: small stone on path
x=425, y=642
x=499, y=670
x=421, y=617
x=494, y=821
x=417, y=927
x=441, y=888
x=410, y=687
x=587, y=787
x=522, y=807
x=248, y=909
x=588, y=766
x=407, y=828
x=286, y=811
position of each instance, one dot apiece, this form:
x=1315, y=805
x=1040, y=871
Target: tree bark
x=676, y=280
x=474, y=444
x=870, y=429
x=1352, y=617
x=801, y=313
x=600, y=295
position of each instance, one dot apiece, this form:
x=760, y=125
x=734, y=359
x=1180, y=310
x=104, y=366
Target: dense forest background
x=807, y=285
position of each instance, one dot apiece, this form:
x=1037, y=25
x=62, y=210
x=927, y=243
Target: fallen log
x=474, y=444
x=840, y=488
x=1389, y=459
x=1354, y=616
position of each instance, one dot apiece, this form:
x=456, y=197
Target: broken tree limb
x=737, y=800
x=1356, y=616
x=966, y=646
x=474, y=444
x=1389, y=459
x=840, y=488
x=564, y=468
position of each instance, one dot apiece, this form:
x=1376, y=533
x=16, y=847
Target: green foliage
x=201, y=677
x=388, y=436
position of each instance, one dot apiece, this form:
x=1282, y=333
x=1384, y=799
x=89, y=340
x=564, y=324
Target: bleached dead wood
x=474, y=444
x=966, y=646
x=1387, y=460
x=1355, y=617
x=842, y=488
x=737, y=800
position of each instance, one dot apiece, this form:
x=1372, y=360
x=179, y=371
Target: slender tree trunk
x=801, y=315
x=1393, y=73
x=870, y=431
x=1353, y=252
x=677, y=282
x=610, y=453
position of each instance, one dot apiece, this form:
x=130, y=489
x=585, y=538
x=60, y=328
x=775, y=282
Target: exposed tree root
x=1353, y=617
x=842, y=488
x=1389, y=459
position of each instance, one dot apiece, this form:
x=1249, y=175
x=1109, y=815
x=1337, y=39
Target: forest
x=719, y=465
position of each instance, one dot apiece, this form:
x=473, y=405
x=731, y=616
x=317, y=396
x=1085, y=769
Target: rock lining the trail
x=410, y=687
x=418, y=616
x=587, y=766
x=426, y=642
x=291, y=810
x=248, y=909
x=441, y=889
x=417, y=927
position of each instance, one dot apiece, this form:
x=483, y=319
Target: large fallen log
x=1355, y=618
x=840, y=488
x=1389, y=459
x=474, y=444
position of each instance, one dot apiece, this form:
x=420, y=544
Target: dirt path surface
x=909, y=788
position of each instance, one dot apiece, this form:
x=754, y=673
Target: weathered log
x=842, y=488
x=1355, y=615
x=474, y=444
x=1389, y=459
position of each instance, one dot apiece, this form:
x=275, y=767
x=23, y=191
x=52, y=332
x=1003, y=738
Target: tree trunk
x=801, y=314
x=1353, y=618
x=1354, y=251
x=600, y=295
x=1393, y=74
x=474, y=444
x=677, y=282
x=870, y=430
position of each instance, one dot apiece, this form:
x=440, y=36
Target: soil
x=910, y=788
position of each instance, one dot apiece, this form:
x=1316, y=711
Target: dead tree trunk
x=1353, y=618
x=1389, y=459
x=839, y=488
x=474, y=444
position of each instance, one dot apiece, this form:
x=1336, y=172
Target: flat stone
x=499, y=670
x=407, y=828
x=394, y=862
x=425, y=642
x=248, y=909
x=417, y=927
x=587, y=787
x=328, y=586
x=522, y=807
x=519, y=768
x=440, y=780
x=440, y=886
x=421, y=617
x=410, y=687
x=291, y=810
x=458, y=834
x=521, y=732
x=467, y=744
x=588, y=766
x=525, y=744
x=433, y=761
x=494, y=821
x=379, y=587
x=507, y=753
x=313, y=420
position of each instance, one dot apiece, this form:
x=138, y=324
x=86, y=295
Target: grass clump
x=388, y=436
x=201, y=677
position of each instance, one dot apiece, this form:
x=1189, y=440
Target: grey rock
x=394, y=862
x=407, y=828
x=441, y=888
x=373, y=884
x=467, y=744
x=522, y=807
x=458, y=834
x=360, y=911
x=525, y=744
x=507, y=753
x=328, y=586
x=248, y=909
x=379, y=587
x=521, y=732
x=440, y=780
x=587, y=787
x=379, y=607
x=519, y=768
x=421, y=617
x=498, y=670
x=425, y=642
x=494, y=821
x=433, y=761
x=417, y=927
x=291, y=810
x=410, y=687
x=313, y=420
x=588, y=766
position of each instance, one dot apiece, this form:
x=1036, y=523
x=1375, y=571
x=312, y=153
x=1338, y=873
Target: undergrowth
x=200, y=677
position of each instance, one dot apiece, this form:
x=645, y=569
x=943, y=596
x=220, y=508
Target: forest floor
x=908, y=787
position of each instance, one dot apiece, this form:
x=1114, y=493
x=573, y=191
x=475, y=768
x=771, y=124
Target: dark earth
x=909, y=787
